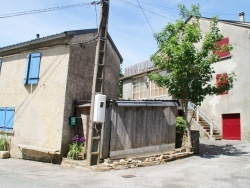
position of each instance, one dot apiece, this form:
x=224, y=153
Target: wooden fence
x=141, y=130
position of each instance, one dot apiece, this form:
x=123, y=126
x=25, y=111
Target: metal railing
x=200, y=112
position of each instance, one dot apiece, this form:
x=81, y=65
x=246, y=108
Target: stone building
x=39, y=81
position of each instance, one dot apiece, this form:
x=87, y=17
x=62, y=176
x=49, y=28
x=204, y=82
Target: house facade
x=229, y=111
x=136, y=84
x=39, y=82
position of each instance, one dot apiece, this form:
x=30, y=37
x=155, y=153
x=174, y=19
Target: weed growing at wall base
x=77, y=149
x=4, y=144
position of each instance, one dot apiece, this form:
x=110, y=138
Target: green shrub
x=180, y=124
x=4, y=144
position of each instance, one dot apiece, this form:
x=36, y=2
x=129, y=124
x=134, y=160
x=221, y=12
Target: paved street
x=220, y=164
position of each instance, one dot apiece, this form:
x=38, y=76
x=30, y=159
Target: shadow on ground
x=213, y=151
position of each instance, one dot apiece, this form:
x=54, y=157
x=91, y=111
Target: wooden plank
x=113, y=129
x=105, y=137
x=141, y=152
x=165, y=134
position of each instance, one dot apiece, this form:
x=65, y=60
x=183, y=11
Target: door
x=231, y=126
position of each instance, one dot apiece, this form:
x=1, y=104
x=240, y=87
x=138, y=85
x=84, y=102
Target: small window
x=6, y=118
x=32, y=68
x=221, y=79
x=220, y=52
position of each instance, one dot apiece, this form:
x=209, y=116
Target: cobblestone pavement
x=220, y=164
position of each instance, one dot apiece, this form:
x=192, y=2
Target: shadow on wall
x=212, y=151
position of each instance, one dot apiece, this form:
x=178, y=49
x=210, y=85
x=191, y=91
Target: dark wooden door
x=231, y=126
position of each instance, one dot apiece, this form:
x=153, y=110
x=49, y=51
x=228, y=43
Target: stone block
x=4, y=154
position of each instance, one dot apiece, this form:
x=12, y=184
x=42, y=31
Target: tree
x=190, y=71
x=120, y=85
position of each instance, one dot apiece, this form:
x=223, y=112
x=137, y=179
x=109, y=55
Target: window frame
x=222, y=55
x=222, y=82
x=140, y=87
x=159, y=89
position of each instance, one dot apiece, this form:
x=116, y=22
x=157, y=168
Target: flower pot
x=178, y=139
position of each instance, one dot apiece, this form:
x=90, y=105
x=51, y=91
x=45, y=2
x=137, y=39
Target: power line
x=145, y=16
x=48, y=9
x=148, y=10
x=165, y=6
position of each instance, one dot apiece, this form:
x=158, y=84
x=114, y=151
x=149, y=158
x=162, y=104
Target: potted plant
x=180, y=129
x=77, y=149
x=4, y=147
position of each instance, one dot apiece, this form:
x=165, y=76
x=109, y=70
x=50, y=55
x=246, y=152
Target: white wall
x=237, y=100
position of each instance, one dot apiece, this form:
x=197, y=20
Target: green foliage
x=120, y=89
x=4, y=144
x=190, y=71
x=180, y=124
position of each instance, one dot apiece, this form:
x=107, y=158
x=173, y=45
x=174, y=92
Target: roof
x=135, y=103
x=60, y=38
x=232, y=22
x=154, y=103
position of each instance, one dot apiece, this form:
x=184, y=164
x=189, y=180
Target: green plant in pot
x=180, y=124
x=180, y=128
x=4, y=144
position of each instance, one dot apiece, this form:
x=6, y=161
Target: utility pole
x=94, y=136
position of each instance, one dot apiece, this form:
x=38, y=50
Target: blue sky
x=127, y=24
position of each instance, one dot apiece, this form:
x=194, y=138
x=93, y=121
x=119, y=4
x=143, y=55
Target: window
x=140, y=88
x=32, y=68
x=6, y=118
x=220, y=52
x=0, y=64
x=221, y=79
x=156, y=91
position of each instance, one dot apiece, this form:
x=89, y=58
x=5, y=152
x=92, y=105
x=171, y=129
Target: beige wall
x=237, y=100
x=38, y=108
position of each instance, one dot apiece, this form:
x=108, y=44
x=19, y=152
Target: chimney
x=242, y=16
x=37, y=36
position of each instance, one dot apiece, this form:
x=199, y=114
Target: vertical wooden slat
x=135, y=127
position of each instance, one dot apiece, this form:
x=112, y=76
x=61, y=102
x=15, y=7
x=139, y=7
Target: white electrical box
x=99, y=108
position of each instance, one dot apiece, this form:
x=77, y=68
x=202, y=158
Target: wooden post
x=94, y=136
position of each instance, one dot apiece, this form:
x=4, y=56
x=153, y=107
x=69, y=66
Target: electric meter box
x=99, y=108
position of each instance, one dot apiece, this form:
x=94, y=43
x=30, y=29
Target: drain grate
x=128, y=176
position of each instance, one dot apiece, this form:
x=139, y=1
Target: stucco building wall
x=38, y=108
x=237, y=100
x=80, y=79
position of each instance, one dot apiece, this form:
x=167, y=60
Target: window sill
x=225, y=57
x=7, y=132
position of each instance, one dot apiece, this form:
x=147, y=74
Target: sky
x=130, y=28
